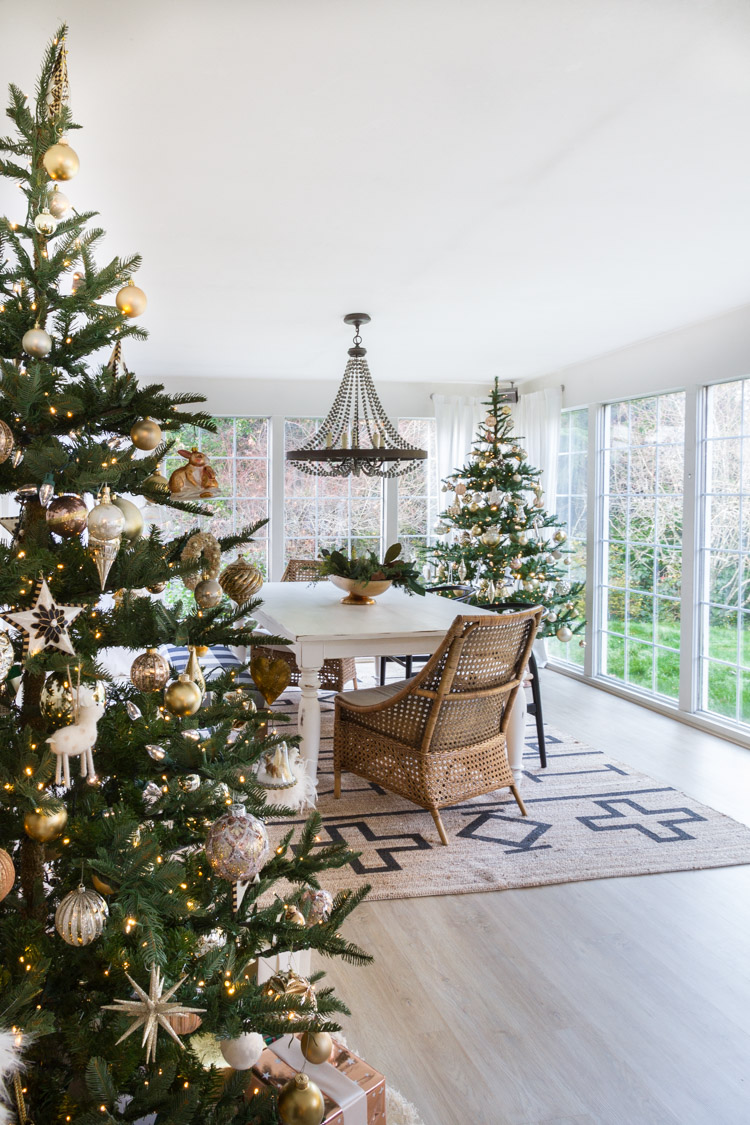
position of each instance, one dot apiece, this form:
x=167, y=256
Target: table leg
x=515, y=734
x=309, y=720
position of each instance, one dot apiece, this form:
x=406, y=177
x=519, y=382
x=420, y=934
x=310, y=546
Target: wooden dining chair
x=335, y=673
x=439, y=738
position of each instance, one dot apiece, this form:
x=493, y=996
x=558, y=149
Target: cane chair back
x=440, y=737
x=335, y=673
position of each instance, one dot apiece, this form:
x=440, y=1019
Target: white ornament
x=80, y=917
x=564, y=634
x=151, y=1011
x=244, y=1052
x=57, y=202
x=77, y=740
x=46, y=623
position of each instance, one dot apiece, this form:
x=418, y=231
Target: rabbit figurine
x=193, y=481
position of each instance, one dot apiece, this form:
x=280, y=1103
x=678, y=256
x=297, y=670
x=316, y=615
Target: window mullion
x=595, y=492
x=691, y=542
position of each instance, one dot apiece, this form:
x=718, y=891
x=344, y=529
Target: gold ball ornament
x=6, y=441
x=208, y=593
x=146, y=434
x=293, y=916
x=133, y=517
x=37, y=343
x=301, y=1102
x=183, y=697
x=7, y=874
x=157, y=588
x=560, y=536
x=157, y=480
x=240, y=580
x=45, y=223
x=61, y=161
x=316, y=1046
x=44, y=828
x=81, y=916
x=57, y=202
x=66, y=516
x=149, y=671
x=131, y=301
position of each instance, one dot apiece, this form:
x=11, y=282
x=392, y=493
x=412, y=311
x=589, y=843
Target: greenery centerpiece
x=366, y=576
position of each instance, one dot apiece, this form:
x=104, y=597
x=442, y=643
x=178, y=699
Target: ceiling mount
x=356, y=437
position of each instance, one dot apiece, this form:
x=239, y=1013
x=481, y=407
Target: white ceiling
x=506, y=186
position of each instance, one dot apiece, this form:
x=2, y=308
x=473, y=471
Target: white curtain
x=457, y=419
x=536, y=418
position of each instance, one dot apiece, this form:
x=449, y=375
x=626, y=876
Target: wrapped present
x=354, y=1092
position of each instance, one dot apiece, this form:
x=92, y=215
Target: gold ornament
x=316, y=1046
x=271, y=677
x=149, y=671
x=44, y=827
x=61, y=161
x=81, y=916
x=157, y=480
x=102, y=887
x=58, y=89
x=288, y=983
x=205, y=547
x=66, y=516
x=57, y=202
x=183, y=697
x=57, y=700
x=36, y=342
x=133, y=517
x=146, y=434
x=186, y=1023
x=45, y=223
x=240, y=580
x=193, y=669
x=6, y=441
x=157, y=588
x=560, y=536
x=208, y=593
x=7, y=874
x=152, y=1010
x=293, y=916
x=301, y=1102
x=131, y=301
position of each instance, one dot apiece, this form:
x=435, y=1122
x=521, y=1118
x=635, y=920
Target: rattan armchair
x=336, y=673
x=439, y=738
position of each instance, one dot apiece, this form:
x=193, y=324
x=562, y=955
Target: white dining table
x=319, y=628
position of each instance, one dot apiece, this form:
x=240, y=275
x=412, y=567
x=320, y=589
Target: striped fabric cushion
x=218, y=659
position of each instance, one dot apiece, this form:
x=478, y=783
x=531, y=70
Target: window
x=572, y=474
x=643, y=457
x=238, y=452
x=327, y=511
x=418, y=491
x=724, y=624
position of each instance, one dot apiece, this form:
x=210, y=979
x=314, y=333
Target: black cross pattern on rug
x=624, y=821
x=532, y=829
x=538, y=776
x=403, y=842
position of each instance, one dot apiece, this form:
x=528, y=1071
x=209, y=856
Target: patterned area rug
x=589, y=817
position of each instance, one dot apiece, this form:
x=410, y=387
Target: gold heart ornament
x=271, y=676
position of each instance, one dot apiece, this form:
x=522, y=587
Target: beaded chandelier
x=356, y=436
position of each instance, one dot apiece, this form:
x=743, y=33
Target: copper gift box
x=273, y=1071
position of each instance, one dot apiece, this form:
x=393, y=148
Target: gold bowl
x=359, y=593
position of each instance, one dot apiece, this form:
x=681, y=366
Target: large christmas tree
x=497, y=535
x=129, y=811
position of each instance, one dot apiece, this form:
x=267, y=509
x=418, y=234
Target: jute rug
x=589, y=817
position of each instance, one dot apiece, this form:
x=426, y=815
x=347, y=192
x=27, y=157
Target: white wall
x=312, y=398
x=710, y=351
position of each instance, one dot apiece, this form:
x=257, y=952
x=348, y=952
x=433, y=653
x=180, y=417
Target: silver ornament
x=237, y=845
x=80, y=917
x=45, y=223
x=318, y=905
x=564, y=634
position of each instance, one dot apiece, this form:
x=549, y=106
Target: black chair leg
x=383, y=662
x=407, y=667
x=536, y=695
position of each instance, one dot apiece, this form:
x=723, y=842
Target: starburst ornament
x=152, y=1009
x=45, y=624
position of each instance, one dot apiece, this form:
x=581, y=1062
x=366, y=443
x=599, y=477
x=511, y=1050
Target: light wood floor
x=615, y=1001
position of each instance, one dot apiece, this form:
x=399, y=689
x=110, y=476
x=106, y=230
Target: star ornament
x=45, y=624
x=152, y=1010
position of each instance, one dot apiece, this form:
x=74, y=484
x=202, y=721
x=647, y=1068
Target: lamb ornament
x=78, y=739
